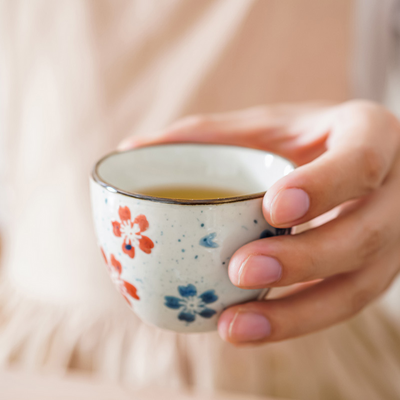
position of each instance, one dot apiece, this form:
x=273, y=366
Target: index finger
x=363, y=144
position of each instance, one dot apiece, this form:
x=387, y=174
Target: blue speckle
x=179, y=240
x=196, y=257
x=106, y=201
x=162, y=233
x=128, y=246
x=202, y=225
x=266, y=234
x=172, y=226
x=183, y=250
x=208, y=241
x=255, y=221
x=183, y=235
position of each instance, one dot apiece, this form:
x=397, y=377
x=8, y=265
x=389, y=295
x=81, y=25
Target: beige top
x=17, y=385
x=77, y=77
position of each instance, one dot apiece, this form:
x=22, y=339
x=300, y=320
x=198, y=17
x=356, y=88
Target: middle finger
x=352, y=240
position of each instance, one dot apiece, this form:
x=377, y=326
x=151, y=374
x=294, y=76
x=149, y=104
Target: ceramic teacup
x=169, y=257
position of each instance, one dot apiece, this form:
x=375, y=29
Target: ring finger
x=312, y=309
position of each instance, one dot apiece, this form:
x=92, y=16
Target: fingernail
x=249, y=327
x=259, y=270
x=289, y=205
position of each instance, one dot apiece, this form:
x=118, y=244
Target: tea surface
x=189, y=192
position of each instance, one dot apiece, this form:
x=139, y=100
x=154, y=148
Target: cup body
x=170, y=259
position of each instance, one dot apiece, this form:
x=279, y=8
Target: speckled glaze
x=170, y=261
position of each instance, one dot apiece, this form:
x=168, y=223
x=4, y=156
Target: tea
x=189, y=192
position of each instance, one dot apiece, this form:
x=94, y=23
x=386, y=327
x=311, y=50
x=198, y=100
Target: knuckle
x=373, y=167
x=300, y=268
x=372, y=241
x=301, y=264
x=311, y=266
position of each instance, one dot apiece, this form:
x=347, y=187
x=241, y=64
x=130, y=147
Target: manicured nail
x=288, y=206
x=259, y=271
x=249, y=327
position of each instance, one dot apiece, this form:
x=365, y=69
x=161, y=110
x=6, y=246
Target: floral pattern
x=115, y=269
x=131, y=232
x=191, y=304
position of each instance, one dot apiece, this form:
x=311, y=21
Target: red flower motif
x=131, y=232
x=124, y=287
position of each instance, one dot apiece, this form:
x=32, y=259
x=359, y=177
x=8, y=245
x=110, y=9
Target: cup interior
x=243, y=170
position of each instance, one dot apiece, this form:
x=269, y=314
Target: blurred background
x=79, y=76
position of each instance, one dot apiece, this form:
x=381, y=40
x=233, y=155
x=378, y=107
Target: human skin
x=348, y=157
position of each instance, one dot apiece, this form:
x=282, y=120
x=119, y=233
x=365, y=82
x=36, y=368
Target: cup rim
x=223, y=200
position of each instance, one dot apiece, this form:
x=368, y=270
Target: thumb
x=258, y=127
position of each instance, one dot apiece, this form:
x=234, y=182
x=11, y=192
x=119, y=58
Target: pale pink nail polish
x=289, y=205
x=248, y=327
x=259, y=270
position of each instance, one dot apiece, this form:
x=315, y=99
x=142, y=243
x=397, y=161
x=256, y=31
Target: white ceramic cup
x=169, y=257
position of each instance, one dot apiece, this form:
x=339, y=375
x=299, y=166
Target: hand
x=348, y=157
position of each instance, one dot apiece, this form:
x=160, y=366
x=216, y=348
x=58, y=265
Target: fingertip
x=266, y=207
x=249, y=257
x=286, y=207
x=224, y=323
x=241, y=326
x=234, y=268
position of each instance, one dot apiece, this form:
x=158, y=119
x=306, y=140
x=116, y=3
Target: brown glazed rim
x=224, y=200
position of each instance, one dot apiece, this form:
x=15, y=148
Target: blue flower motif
x=208, y=241
x=191, y=304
